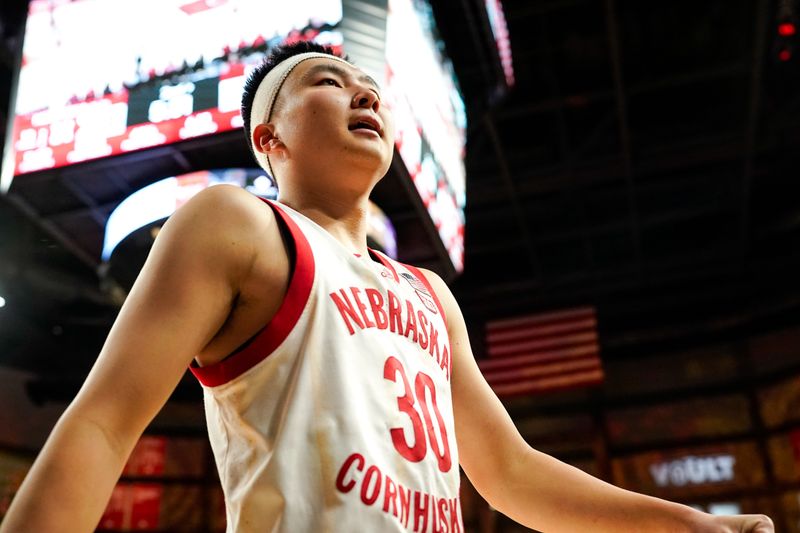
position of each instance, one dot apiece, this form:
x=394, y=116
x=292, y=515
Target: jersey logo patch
x=422, y=292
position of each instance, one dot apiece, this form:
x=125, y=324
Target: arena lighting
x=159, y=200
x=787, y=29
x=724, y=508
x=497, y=21
x=2, y=302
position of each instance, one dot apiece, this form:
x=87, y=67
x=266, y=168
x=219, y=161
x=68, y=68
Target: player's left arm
x=538, y=490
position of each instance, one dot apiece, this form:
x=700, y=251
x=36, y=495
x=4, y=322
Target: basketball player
x=340, y=390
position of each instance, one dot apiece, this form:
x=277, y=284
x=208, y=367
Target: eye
x=329, y=81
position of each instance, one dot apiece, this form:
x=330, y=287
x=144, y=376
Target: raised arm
x=179, y=301
x=537, y=490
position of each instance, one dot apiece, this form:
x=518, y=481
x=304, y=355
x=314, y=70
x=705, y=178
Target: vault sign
x=693, y=470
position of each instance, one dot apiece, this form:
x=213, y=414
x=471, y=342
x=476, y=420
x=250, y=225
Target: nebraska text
x=390, y=313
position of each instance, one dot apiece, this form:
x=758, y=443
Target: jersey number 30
x=423, y=385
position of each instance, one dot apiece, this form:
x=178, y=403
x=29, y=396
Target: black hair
x=277, y=55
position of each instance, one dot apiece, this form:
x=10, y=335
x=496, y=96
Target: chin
x=377, y=161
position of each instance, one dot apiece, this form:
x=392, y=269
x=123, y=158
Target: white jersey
x=337, y=416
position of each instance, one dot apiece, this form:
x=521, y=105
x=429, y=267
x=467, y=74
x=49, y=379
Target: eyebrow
x=336, y=69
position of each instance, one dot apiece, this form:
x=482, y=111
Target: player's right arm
x=183, y=295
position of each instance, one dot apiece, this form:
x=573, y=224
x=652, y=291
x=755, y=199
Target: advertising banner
x=683, y=474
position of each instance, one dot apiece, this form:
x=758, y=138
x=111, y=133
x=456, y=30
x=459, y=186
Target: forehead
x=309, y=69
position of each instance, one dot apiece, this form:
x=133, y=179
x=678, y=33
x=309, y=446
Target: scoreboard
x=104, y=77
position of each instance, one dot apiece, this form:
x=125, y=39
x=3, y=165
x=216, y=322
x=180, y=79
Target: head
x=309, y=112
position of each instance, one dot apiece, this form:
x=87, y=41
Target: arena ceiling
x=644, y=162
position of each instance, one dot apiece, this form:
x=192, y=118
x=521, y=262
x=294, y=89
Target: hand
x=746, y=523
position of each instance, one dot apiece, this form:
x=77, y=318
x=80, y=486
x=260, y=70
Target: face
x=330, y=117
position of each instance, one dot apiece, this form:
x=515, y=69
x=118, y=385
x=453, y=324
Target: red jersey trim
x=273, y=334
x=418, y=273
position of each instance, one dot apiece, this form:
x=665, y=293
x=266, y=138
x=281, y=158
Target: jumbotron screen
x=430, y=118
x=105, y=77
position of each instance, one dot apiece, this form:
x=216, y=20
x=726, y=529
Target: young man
x=340, y=390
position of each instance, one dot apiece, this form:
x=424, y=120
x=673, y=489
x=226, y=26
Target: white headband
x=267, y=93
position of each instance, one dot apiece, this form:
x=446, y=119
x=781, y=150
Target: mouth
x=365, y=124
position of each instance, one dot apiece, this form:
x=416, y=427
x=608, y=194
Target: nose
x=366, y=99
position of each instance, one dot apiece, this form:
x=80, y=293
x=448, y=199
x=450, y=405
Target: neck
x=342, y=215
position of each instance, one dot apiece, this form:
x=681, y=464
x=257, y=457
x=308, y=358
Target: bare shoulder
x=444, y=294
x=227, y=207
x=224, y=218
x=435, y=280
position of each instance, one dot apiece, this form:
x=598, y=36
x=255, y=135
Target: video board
x=105, y=77
x=430, y=119
x=156, y=72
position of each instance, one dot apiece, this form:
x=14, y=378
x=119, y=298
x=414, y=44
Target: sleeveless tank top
x=337, y=415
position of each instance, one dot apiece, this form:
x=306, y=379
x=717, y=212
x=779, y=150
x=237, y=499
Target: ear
x=265, y=140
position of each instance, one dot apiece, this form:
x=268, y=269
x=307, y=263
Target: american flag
x=542, y=353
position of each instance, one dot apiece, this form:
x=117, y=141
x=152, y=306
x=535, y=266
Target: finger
x=762, y=524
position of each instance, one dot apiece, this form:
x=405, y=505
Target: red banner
x=133, y=507
x=147, y=458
